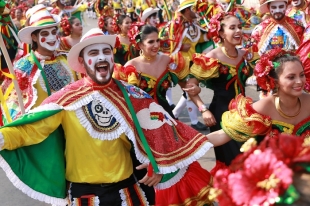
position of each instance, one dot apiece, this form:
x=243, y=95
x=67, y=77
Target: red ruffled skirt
x=191, y=190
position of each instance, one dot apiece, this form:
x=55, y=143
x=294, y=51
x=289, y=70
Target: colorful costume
x=37, y=84
x=104, y=123
x=124, y=53
x=285, y=153
x=270, y=34
x=227, y=81
x=155, y=87
x=301, y=15
x=64, y=45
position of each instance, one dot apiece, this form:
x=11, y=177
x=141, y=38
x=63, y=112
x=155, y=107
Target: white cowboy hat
x=264, y=5
x=42, y=1
x=148, y=12
x=185, y=3
x=93, y=36
x=39, y=18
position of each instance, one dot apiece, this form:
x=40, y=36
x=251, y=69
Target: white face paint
x=224, y=6
x=99, y=62
x=48, y=38
x=296, y=3
x=277, y=9
x=153, y=21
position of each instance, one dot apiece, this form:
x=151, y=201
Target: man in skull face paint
x=300, y=12
x=279, y=30
x=104, y=121
x=41, y=72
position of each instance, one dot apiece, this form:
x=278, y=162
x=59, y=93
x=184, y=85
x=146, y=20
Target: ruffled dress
x=124, y=53
x=227, y=81
x=156, y=87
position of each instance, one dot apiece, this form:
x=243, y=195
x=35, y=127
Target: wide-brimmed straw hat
x=93, y=36
x=39, y=18
x=264, y=5
x=185, y=3
x=148, y=12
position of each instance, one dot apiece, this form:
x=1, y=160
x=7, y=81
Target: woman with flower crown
x=72, y=31
x=225, y=71
x=277, y=169
x=126, y=50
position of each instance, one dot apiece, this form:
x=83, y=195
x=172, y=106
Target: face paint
x=224, y=6
x=98, y=62
x=296, y=3
x=48, y=39
x=277, y=10
x=153, y=21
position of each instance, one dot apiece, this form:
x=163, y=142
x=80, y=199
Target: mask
x=296, y=3
x=277, y=10
x=153, y=21
x=49, y=39
x=99, y=63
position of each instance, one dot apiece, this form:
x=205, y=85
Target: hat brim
x=76, y=50
x=264, y=7
x=184, y=7
x=147, y=14
x=25, y=34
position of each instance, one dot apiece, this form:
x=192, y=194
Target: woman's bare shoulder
x=264, y=106
x=213, y=53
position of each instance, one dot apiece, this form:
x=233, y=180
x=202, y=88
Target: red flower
x=165, y=84
x=133, y=32
x=262, y=179
x=265, y=65
x=215, y=25
x=117, y=43
x=143, y=84
x=223, y=70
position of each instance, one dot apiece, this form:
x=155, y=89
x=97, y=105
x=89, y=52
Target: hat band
x=43, y=21
x=93, y=35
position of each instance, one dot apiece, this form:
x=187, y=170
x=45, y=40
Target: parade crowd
x=87, y=118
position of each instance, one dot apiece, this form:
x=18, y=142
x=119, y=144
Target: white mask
x=224, y=6
x=277, y=9
x=296, y=3
x=99, y=62
x=153, y=21
x=48, y=39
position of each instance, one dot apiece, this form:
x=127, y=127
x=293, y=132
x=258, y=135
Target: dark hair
x=275, y=73
x=183, y=10
x=145, y=30
x=71, y=20
x=121, y=18
x=222, y=24
x=106, y=21
x=34, y=45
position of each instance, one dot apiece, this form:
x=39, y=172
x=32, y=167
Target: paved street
x=10, y=196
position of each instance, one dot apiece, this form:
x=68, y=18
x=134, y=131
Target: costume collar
x=95, y=86
x=41, y=57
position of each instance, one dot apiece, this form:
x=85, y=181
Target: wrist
x=203, y=108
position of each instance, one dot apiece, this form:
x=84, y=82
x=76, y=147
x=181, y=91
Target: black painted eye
x=98, y=108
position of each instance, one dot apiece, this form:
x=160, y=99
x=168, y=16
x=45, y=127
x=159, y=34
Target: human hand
x=208, y=118
x=192, y=89
x=149, y=180
x=185, y=47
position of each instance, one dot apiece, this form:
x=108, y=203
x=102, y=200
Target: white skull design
x=101, y=113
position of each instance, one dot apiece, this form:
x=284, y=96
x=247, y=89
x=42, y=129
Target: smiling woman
x=225, y=71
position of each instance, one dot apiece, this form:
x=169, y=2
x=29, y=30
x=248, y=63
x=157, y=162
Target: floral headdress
x=265, y=65
x=105, y=12
x=215, y=25
x=134, y=33
x=65, y=26
x=264, y=174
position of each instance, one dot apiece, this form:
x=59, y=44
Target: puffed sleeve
x=242, y=122
x=179, y=66
x=204, y=68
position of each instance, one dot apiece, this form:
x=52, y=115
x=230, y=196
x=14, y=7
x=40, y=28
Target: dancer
x=72, y=31
x=102, y=120
x=39, y=73
x=287, y=112
x=225, y=71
